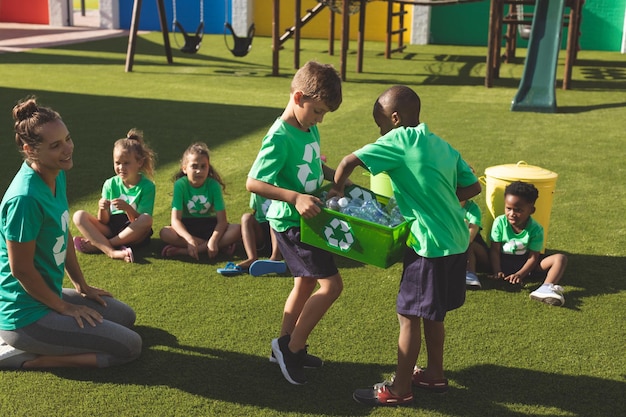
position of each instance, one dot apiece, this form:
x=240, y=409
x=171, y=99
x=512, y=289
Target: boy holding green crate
x=428, y=178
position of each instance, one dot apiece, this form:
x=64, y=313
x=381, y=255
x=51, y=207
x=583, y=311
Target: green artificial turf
x=207, y=337
x=89, y=4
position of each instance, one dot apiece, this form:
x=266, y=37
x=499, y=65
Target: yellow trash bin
x=499, y=176
x=381, y=184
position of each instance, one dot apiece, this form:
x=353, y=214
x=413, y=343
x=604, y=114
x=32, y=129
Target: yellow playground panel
x=318, y=27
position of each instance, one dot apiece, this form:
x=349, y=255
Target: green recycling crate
x=355, y=238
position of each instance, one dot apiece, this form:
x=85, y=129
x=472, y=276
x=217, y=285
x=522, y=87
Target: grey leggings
x=54, y=334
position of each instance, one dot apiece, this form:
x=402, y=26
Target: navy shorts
x=303, y=259
x=431, y=287
x=510, y=264
x=200, y=227
x=119, y=222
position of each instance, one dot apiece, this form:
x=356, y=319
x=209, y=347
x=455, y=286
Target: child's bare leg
x=555, y=265
x=136, y=232
x=409, y=344
x=169, y=236
x=231, y=236
x=481, y=256
x=276, y=255
x=178, y=245
x=314, y=309
x=300, y=293
x=434, y=335
x=250, y=233
x=471, y=258
x=476, y=255
x=96, y=233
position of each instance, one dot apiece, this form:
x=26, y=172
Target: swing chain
x=174, y=20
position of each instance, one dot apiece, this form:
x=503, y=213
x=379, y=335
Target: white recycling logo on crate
x=338, y=234
x=360, y=193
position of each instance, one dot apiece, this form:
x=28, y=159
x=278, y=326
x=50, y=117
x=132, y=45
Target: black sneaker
x=291, y=364
x=310, y=361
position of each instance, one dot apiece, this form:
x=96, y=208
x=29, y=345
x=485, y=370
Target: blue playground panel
x=187, y=13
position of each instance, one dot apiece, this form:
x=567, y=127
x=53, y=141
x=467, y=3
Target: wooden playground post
x=359, y=57
x=134, y=27
x=331, y=33
x=296, y=35
x=497, y=19
x=345, y=38
x=275, y=37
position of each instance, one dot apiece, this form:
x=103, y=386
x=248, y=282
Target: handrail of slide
x=536, y=91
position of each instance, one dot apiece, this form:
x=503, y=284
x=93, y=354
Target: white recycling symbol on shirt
x=311, y=152
x=198, y=204
x=514, y=247
x=60, y=248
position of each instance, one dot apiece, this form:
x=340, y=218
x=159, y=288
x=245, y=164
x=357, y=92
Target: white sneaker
x=11, y=358
x=549, y=294
x=471, y=281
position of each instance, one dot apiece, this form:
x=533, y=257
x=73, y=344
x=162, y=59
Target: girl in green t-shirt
x=198, y=222
x=127, y=199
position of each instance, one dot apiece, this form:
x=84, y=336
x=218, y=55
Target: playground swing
x=242, y=45
x=192, y=42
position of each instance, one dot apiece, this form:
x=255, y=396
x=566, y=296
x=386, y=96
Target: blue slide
x=537, y=88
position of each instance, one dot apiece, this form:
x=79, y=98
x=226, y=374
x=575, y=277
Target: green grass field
x=207, y=337
x=89, y=4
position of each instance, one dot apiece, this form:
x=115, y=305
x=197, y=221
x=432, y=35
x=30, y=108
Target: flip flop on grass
x=231, y=270
x=263, y=267
x=170, y=250
x=129, y=254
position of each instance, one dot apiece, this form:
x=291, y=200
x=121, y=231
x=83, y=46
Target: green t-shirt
x=260, y=205
x=425, y=172
x=473, y=215
x=204, y=201
x=289, y=158
x=29, y=211
x=140, y=196
x=530, y=239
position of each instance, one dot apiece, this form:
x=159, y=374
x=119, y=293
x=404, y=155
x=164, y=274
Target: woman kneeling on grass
x=42, y=324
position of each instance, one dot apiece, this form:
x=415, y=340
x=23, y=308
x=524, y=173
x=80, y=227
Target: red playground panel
x=25, y=11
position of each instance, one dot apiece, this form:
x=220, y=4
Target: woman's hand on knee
x=95, y=294
x=81, y=313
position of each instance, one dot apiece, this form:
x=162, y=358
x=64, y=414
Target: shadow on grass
x=503, y=392
x=594, y=275
x=235, y=377
x=148, y=52
x=591, y=275
x=88, y=118
x=485, y=390
x=583, y=109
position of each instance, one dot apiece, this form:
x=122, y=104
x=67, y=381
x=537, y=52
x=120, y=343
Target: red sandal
x=438, y=386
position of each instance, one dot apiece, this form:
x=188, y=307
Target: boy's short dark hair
x=524, y=190
x=319, y=82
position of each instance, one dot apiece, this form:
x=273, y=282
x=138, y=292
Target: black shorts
x=303, y=259
x=510, y=264
x=119, y=222
x=200, y=227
